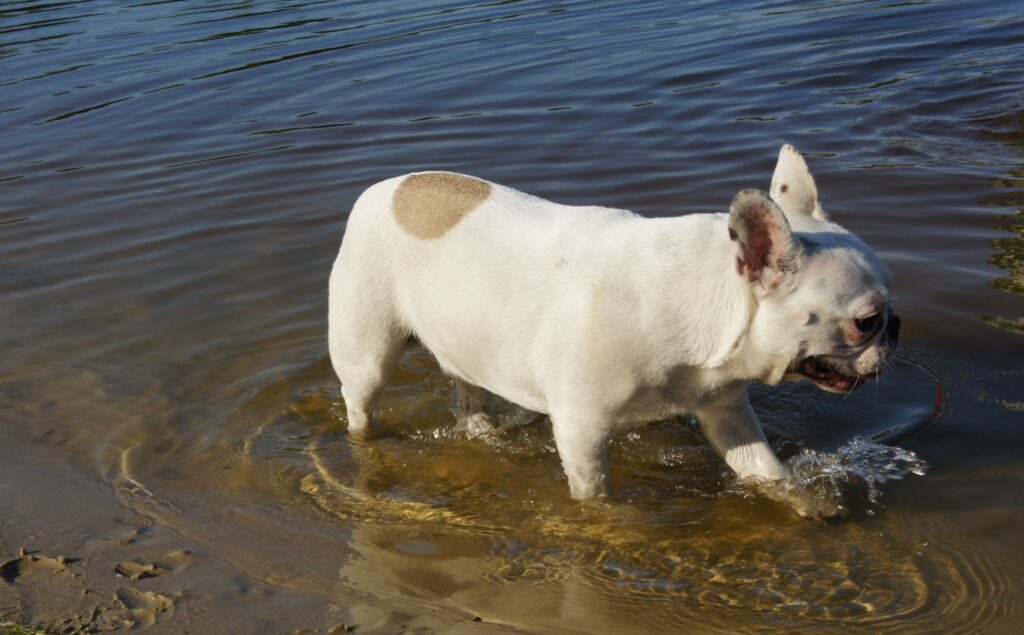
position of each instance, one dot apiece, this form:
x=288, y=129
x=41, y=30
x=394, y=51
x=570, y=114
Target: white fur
x=600, y=318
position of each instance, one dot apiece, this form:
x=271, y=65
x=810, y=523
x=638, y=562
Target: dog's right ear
x=793, y=186
x=766, y=252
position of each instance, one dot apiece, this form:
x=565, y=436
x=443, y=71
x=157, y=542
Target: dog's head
x=823, y=311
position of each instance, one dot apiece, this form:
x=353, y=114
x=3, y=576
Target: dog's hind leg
x=583, y=448
x=364, y=375
x=365, y=339
x=474, y=407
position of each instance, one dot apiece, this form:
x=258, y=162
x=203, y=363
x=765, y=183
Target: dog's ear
x=793, y=186
x=766, y=251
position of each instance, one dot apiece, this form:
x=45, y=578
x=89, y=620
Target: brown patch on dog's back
x=429, y=204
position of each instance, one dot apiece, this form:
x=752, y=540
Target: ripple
x=439, y=483
x=908, y=399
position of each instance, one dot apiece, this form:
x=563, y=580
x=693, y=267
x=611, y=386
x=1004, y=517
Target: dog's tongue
x=842, y=383
x=828, y=376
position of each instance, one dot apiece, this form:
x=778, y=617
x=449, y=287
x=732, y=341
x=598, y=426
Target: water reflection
x=473, y=528
x=1009, y=251
x=438, y=517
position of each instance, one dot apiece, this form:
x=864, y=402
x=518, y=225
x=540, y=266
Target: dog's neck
x=700, y=316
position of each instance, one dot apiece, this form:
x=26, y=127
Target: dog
x=603, y=319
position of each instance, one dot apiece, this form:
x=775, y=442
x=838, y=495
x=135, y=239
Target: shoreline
x=110, y=569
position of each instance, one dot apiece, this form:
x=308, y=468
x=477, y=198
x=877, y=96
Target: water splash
x=859, y=467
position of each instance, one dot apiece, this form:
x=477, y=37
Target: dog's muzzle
x=834, y=376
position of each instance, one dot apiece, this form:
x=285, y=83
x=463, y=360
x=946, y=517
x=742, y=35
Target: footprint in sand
x=144, y=606
x=28, y=563
x=135, y=570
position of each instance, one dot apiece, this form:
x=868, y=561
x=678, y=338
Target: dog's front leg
x=732, y=428
x=583, y=447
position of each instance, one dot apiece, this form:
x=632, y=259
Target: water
x=828, y=475
x=174, y=182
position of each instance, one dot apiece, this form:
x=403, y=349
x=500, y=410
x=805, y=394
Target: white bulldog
x=603, y=319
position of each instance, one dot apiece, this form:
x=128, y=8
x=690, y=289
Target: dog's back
x=471, y=268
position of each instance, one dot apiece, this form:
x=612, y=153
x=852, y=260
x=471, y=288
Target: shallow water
x=174, y=183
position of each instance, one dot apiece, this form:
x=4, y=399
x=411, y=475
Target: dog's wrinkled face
x=824, y=309
x=842, y=329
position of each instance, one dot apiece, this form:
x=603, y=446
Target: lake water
x=174, y=183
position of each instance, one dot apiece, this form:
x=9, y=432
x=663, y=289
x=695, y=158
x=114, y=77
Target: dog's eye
x=868, y=324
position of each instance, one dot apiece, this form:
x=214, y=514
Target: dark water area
x=175, y=179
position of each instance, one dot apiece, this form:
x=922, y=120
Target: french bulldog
x=604, y=319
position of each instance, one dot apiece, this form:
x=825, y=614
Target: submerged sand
x=73, y=560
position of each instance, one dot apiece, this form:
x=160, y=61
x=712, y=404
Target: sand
x=72, y=560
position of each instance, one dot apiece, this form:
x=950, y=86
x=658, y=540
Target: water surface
x=174, y=183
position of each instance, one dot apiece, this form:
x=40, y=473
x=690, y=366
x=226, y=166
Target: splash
x=861, y=467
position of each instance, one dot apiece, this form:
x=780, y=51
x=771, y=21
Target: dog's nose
x=892, y=329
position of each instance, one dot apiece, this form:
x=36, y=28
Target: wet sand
x=72, y=559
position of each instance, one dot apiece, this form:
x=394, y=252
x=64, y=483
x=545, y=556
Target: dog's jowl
x=601, y=318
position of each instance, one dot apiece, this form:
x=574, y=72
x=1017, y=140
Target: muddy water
x=174, y=183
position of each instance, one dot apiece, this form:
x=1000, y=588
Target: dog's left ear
x=767, y=253
x=793, y=186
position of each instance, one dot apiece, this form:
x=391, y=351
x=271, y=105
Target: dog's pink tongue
x=845, y=383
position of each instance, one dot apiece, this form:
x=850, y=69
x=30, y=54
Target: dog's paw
x=479, y=425
x=825, y=512
x=810, y=505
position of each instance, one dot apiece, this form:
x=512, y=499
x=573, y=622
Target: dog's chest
x=678, y=391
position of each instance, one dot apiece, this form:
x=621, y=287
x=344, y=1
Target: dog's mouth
x=818, y=370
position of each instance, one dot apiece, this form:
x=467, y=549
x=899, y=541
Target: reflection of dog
x=604, y=319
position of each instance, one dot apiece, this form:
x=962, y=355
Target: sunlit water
x=174, y=183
